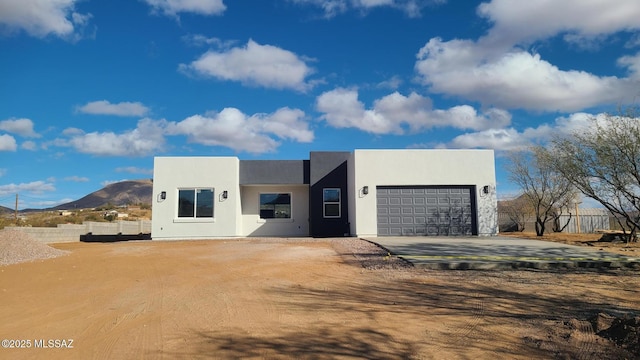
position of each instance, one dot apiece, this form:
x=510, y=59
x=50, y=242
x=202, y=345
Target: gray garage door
x=426, y=210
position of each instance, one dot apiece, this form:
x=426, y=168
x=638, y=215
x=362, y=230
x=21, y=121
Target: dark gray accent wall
x=328, y=170
x=276, y=172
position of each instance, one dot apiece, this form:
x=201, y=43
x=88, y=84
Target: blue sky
x=91, y=91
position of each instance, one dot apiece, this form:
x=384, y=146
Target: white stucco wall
x=173, y=173
x=297, y=226
x=374, y=168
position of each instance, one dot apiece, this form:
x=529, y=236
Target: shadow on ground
x=316, y=343
x=554, y=326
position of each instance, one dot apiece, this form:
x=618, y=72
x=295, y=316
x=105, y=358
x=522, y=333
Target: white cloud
x=233, y=129
x=134, y=170
x=395, y=112
x=109, y=182
x=503, y=139
x=633, y=42
x=285, y=123
x=342, y=109
x=632, y=63
x=40, y=18
x=8, y=143
x=29, y=145
x=76, y=178
x=258, y=65
x=35, y=187
x=512, y=139
x=392, y=83
x=588, y=43
x=72, y=131
x=45, y=203
x=104, y=107
x=496, y=71
x=525, y=21
x=514, y=79
x=332, y=8
x=146, y=139
x=173, y=7
x=230, y=128
x=201, y=40
x=22, y=127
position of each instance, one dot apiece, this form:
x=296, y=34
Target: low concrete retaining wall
x=72, y=232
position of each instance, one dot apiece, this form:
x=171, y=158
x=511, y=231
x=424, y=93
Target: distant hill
x=117, y=194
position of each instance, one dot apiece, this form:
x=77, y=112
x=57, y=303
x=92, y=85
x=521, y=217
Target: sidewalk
x=496, y=252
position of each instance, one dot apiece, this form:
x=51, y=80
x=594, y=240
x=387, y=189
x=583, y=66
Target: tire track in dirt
x=479, y=310
x=584, y=339
x=138, y=326
x=151, y=337
x=460, y=334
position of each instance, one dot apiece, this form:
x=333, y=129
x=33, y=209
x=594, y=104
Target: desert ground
x=300, y=299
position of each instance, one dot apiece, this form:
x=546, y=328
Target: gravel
x=18, y=247
x=369, y=255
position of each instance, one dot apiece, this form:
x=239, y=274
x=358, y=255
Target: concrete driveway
x=496, y=252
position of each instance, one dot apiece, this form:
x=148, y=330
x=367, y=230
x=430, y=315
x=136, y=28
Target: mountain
x=118, y=194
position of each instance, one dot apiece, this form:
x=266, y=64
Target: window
x=331, y=203
x=195, y=203
x=275, y=206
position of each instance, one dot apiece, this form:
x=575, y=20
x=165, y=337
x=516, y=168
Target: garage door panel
x=408, y=232
x=394, y=220
x=424, y=210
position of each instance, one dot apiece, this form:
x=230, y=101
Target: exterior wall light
x=225, y=194
x=365, y=190
x=486, y=189
x=163, y=195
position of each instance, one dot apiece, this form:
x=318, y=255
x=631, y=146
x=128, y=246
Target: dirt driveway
x=300, y=299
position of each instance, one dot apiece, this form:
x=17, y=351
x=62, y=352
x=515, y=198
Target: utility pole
x=16, y=212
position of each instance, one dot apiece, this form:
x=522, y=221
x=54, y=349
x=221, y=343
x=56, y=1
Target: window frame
x=325, y=203
x=275, y=219
x=195, y=217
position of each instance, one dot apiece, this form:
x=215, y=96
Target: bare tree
x=517, y=210
x=603, y=162
x=545, y=190
x=556, y=214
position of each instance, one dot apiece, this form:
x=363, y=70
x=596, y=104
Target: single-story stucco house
x=360, y=193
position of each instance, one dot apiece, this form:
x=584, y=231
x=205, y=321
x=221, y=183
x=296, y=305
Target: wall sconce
x=225, y=194
x=365, y=190
x=486, y=189
x=163, y=195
